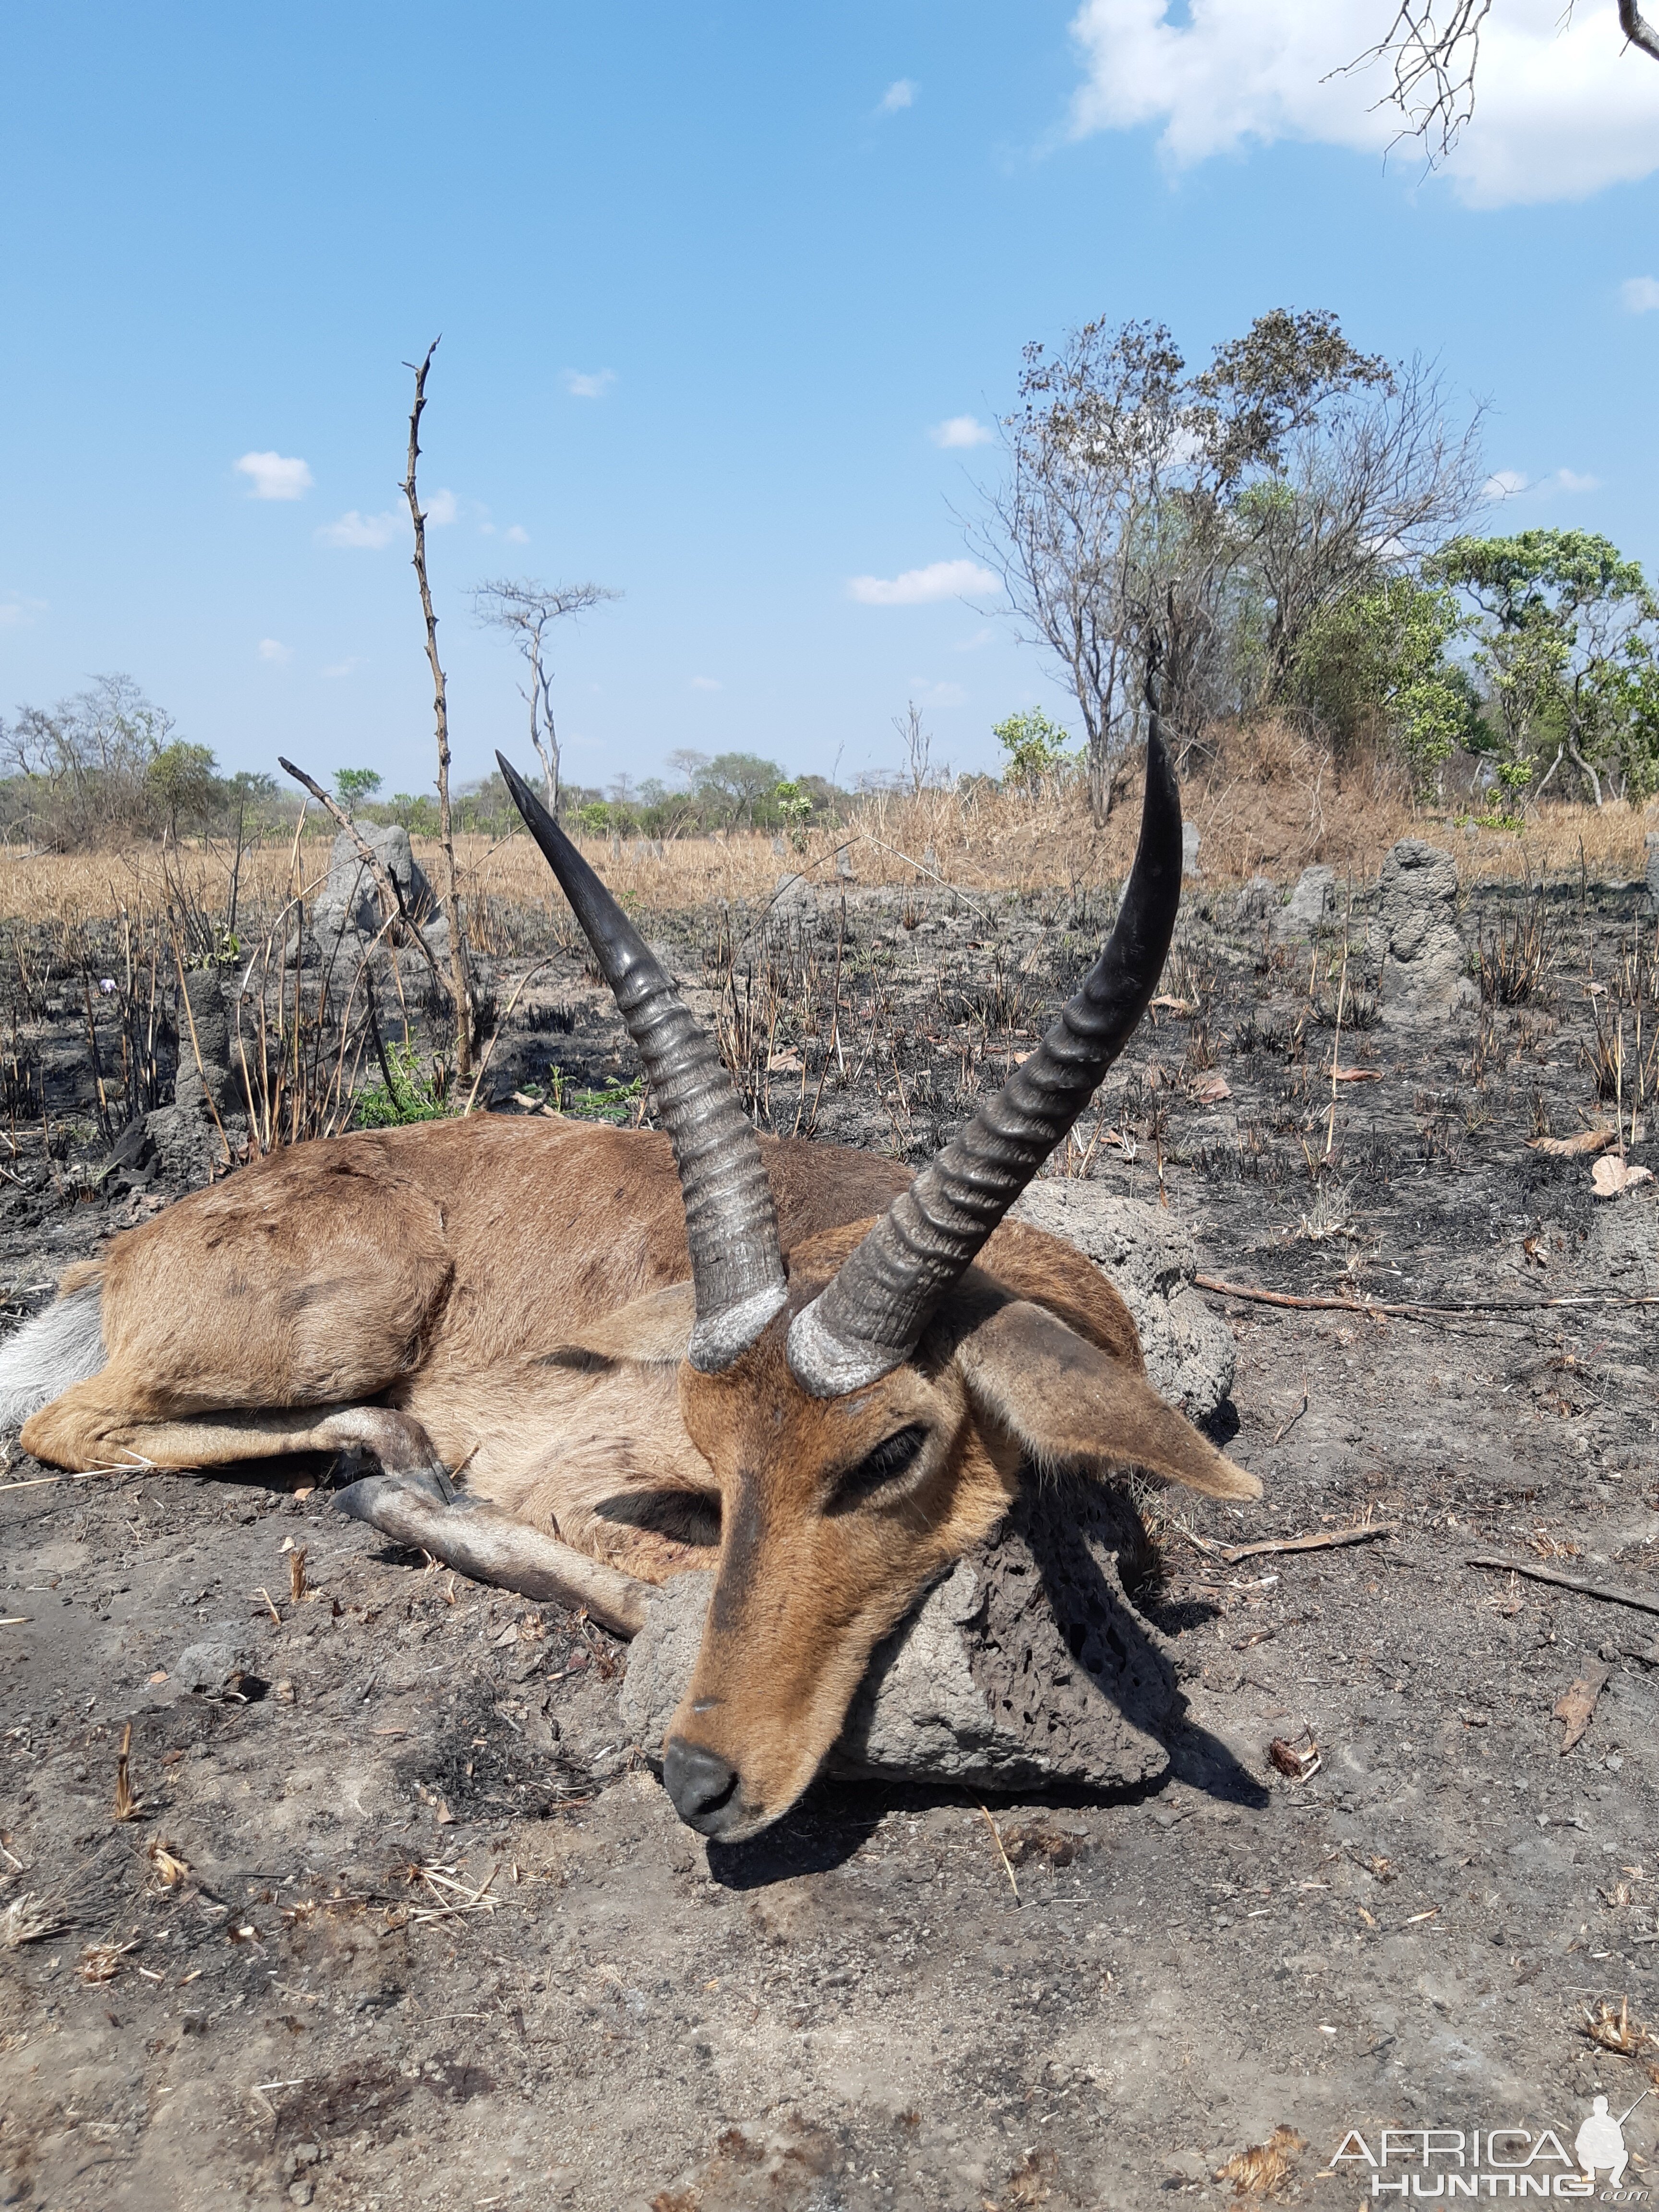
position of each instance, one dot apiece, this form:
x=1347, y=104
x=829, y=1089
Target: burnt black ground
x=858, y=2011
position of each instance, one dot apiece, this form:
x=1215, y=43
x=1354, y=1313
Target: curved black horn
x=872, y=1316
x=731, y=1223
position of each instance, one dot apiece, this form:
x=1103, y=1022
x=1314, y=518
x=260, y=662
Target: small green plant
x=1036, y=748
x=614, y=1102
x=412, y=1095
x=794, y=808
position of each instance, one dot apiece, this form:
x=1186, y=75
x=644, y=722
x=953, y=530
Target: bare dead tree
x=918, y=742
x=461, y=980
x=1379, y=481
x=1070, y=527
x=526, y=611
x=1434, y=47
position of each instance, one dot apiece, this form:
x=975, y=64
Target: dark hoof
x=362, y=1500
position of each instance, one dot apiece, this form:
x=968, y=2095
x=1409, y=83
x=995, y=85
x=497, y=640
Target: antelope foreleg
x=487, y=1547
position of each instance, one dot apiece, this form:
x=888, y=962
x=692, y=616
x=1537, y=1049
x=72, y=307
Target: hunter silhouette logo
x=1600, y=2141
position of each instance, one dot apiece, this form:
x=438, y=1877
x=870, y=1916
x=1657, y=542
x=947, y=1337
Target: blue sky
x=709, y=281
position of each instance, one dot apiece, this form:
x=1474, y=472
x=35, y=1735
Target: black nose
x=704, y=1786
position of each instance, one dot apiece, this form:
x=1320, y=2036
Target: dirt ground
x=403, y=1920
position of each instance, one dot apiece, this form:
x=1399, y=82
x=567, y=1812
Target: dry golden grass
x=1269, y=802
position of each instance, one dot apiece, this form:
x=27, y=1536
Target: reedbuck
x=587, y=1359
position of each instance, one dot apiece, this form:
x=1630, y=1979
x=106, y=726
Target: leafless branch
x=526, y=611
x=1434, y=47
x=460, y=982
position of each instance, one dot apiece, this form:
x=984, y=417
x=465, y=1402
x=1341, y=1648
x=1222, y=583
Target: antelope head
x=867, y=1409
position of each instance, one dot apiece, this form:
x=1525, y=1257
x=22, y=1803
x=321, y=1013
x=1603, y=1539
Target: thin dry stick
x=1608, y=1592
x=459, y=985
x=1336, y=1042
x=1001, y=1854
x=495, y=1034
x=1321, y=1541
x=126, y=1805
x=1362, y=1307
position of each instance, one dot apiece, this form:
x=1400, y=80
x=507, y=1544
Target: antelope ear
x=654, y=1331
x=1070, y=1403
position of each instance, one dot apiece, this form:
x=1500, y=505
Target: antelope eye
x=891, y=1457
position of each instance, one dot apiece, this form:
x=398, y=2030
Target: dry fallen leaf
x=169, y=1871
x=1577, y=1706
x=1299, y=1761
x=1356, y=1075
x=1569, y=1148
x=1211, y=1089
x=1169, y=1004
x=1611, y=1178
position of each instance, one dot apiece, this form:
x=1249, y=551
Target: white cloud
x=372, y=531
x=275, y=652
x=443, y=509
x=707, y=684
x=516, y=534
x=342, y=667
x=1504, y=484
x=918, y=587
x=900, y=95
x=274, y=475
x=961, y=430
x=927, y=693
x=1640, y=295
x=1569, y=480
x=975, y=641
x=19, y=613
x=589, y=384
x=1560, y=112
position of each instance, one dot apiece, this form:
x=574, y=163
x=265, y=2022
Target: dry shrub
x=1265, y=2169
x=1618, y=2031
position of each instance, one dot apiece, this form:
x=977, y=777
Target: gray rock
x=351, y=897
x=1258, y=899
x=1150, y=1260
x=794, y=898
x=205, y=1047
x=1312, y=903
x=1189, y=845
x=216, y=1665
x=1025, y=1665
x=348, y=915
x=1416, y=934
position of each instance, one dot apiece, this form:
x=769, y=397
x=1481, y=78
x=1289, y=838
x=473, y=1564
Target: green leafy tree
x=734, y=784
x=1036, y=748
x=417, y=812
x=184, y=781
x=1567, y=630
x=1385, y=655
x=353, y=786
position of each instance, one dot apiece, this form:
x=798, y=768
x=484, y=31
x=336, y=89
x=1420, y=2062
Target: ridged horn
x=731, y=1223
x=872, y=1314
